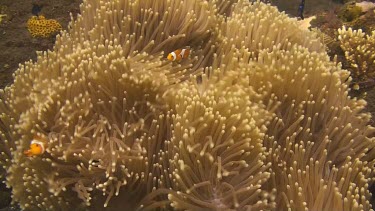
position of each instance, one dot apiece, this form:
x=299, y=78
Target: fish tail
x=186, y=53
x=27, y=153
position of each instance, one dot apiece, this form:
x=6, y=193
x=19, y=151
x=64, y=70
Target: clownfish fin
x=28, y=153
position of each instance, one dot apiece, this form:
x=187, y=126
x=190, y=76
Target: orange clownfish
x=37, y=146
x=179, y=54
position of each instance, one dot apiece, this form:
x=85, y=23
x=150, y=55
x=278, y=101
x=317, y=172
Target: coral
x=39, y=26
x=366, y=22
x=366, y=5
x=359, y=52
x=257, y=118
x=350, y=12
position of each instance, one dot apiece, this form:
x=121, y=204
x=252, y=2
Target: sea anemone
x=257, y=118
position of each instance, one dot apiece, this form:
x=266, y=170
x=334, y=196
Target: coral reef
x=357, y=16
x=328, y=22
x=359, y=51
x=366, y=5
x=39, y=26
x=366, y=22
x=350, y=12
x=257, y=118
x=351, y=47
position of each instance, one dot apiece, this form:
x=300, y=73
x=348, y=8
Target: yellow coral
x=359, y=50
x=42, y=27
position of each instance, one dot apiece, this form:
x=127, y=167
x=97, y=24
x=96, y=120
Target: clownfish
x=37, y=146
x=179, y=54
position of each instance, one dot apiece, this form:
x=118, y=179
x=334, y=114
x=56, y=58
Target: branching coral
x=257, y=118
x=359, y=51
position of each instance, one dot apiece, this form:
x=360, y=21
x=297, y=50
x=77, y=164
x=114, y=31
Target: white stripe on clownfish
x=37, y=146
x=40, y=143
x=179, y=54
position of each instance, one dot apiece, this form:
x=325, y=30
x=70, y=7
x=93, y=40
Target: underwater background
x=30, y=26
